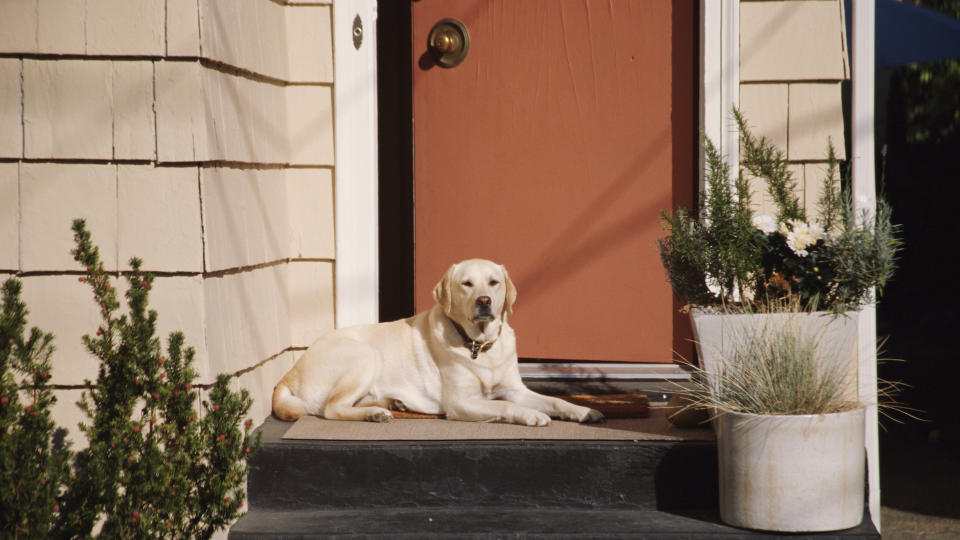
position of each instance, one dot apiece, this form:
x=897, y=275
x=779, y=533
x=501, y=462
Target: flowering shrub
x=725, y=255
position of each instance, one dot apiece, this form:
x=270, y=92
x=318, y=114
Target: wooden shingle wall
x=793, y=58
x=194, y=134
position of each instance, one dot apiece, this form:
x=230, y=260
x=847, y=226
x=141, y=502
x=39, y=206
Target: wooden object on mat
x=611, y=405
x=614, y=405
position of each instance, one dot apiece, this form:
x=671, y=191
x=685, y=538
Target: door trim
x=720, y=78
x=603, y=371
x=356, y=275
x=864, y=200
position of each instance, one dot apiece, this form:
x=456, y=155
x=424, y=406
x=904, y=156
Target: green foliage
x=932, y=104
x=724, y=255
x=719, y=244
x=863, y=256
x=832, y=204
x=157, y=465
x=683, y=259
x=154, y=467
x=34, y=461
x=931, y=100
x=764, y=160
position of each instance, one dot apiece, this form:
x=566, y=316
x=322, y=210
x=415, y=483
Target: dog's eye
x=494, y=283
x=468, y=284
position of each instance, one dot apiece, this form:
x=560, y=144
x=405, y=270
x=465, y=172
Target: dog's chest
x=489, y=374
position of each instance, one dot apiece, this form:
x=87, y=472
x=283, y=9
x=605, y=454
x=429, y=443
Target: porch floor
x=653, y=427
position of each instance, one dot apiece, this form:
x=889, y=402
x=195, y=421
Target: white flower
x=766, y=224
x=802, y=236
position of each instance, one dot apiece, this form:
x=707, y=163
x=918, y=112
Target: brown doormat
x=611, y=405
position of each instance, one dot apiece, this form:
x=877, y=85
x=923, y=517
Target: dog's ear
x=511, y=295
x=442, y=293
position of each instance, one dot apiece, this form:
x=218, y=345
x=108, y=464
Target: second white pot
x=792, y=473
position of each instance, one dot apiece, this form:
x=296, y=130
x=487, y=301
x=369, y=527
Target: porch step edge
x=504, y=523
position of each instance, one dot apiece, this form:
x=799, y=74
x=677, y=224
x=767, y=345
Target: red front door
x=552, y=149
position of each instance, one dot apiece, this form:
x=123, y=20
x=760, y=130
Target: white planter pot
x=717, y=336
x=792, y=473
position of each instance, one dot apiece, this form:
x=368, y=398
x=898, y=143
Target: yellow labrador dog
x=458, y=359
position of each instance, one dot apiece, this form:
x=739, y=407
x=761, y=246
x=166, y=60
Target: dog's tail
x=286, y=406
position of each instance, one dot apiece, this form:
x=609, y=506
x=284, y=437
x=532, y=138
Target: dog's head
x=476, y=291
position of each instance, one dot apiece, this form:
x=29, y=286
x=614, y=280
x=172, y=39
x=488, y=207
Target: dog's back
x=376, y=364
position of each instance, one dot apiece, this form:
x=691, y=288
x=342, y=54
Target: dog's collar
x=475, y=347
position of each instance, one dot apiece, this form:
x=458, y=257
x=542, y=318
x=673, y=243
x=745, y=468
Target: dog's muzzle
x=483, y=311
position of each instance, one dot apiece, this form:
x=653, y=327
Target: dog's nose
x=483, y=301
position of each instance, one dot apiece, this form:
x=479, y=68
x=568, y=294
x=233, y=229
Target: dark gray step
x=450, y=523
x=648, y=475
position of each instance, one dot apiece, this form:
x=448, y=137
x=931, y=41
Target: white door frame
x=355, y=138
x=720, y=78
x=865, y=200
x=356, y=275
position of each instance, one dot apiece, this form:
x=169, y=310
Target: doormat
x=653, y=426
x=611, y=405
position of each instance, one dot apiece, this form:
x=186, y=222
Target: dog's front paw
x=591, y=416
x=380, y=415
x=534, y=418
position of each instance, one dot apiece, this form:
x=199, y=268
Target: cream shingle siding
x=197, y=135
x=183, y=28
x=9, y=218
x=64, y=307
x=67, y=109
x=792, y=62
x=134, y=128
x=816, y=116
x=11, y=123
x=791, y=40
x=261, y=36
x=51, y=196
x=207, y=115
x=145, y=195
x=765, y=107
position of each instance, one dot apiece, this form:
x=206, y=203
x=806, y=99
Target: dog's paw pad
x=380, y=416
x=398, y=405
x=592, y=416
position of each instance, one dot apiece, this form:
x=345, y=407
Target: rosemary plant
x=724, y=255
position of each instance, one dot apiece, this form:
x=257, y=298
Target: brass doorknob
x=448, y=42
